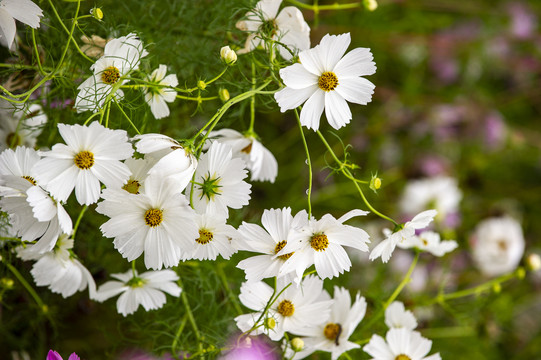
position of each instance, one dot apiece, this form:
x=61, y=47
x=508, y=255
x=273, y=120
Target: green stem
x=190, y=315
x=174, y=345
x=232, y=297
x=78, y=221
x=36, y=51
x=316, y=8
x=133, y=269
x=309, y=194
x=405, y=281
x=127, y=117
x=252, y=102
x=345, y=171
x=26, y=285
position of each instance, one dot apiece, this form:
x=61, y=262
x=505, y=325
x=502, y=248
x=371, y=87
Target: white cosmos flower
x=326, y=79
x=218, y=182
x=396, y=316
x=259, y=160
x=215, y=238
x=145, y=289
x=296, y=308
x=34, y=214
x=20, y=127
x=171, y=159
x=23, y=10
x=332, y=335
x=401, y=344
x=121, y=56
x=498, y=245
x=158, y=221
x=402, y=234
x=321, y=243
x=59, y=269
x=429, y=241
x=440, y=192
x=156, y=97
x=92, y=154
x=288, y=27
x=268, y=240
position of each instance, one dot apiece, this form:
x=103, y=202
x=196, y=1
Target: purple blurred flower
x=494, y=130
x=431, y=165
x=53, y=355
x=251, y=348
x=523, y=20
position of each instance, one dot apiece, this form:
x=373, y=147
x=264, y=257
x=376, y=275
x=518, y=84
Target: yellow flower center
x=332, y=331
x=110, y=75
x=402, y=357
x=30, y=179
x=153, y=217
x=132, y=186
x=13, y=140
x=279, y=247
x=328, y=81
x=319, y=242
x=84, y=160
x=286, y=308
x=205, y=237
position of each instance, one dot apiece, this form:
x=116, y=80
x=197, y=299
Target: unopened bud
x=97, y=13
x=297, y=344
x=201, y=84
x=223, y=94
x=270, y=323
x=7, y=283
x=370, y=5
x=533, y=261
x=497, y=288
x=521, y=273
x=375, y=183
x=45, y=309
x=228, y=56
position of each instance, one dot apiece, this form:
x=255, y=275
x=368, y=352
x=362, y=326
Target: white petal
x=312, y=110
x=297, y=77
x=356, y=90
x=288, y=98
x=337, y=110
x=357, y=62
x=7, y=27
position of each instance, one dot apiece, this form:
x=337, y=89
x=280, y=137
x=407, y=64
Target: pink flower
x=53, y=355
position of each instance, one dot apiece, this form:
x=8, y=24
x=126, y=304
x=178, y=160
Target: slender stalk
x=78, y=221
x=316, y=8
x=309, y=194
x=26, y=285
x=189, y=313
x=232, y=297
x=404, y=282
x=181, y=326
x=36, y=52
x=127, y=117
x=252, y=102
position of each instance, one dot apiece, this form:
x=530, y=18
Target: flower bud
x=497, y=288
x=533, y=262
x=270, y=323
x=223, y=94
x=6, y=283
x=228, y=56
x=370, y=5
x=297, y=344
x=201, y=84
x=375, y=183
x=96, y=13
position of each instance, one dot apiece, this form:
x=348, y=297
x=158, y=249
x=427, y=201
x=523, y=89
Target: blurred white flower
x=23, y=10
x=327, y=79
x=120, y=57
x=440, y=192
x=429, y=241
x=146, y=289
x=498, y=245
x=20, y=127
x=400, y=344
x=396, y=316
x=288, y=27
x=157, y=97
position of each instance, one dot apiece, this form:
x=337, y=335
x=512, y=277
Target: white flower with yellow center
x=20, y=127
x=158, y=221
x=146, y=289
x=218, y=182
x=170, y=157
x=326, y=79
x=59, y=269
x=215, y=238
x=23, y=10
x=498, y=245
x=34, y=214
x=400, y=344
x=396, y=316
x=429, y=241
x=296, y=308
x=121, y=56
x=92, y=155
x=321, y=243
x=288, y=27
x=259, y=160
x=402, y=233
x=268, y=240
x=158, y=96
x=332, y=335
